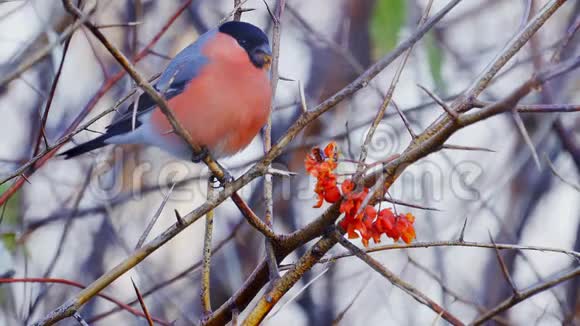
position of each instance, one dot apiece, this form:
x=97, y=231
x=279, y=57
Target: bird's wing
x=181, y=70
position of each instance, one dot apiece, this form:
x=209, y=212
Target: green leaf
x=9, y=211
x=387, y=21
x=9, y=241
x=435, y=58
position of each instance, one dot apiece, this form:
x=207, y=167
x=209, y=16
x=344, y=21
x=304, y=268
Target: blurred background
x=77, y=219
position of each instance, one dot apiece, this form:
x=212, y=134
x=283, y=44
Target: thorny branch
x=268, y=187
x=395, y=280
x=427, y=142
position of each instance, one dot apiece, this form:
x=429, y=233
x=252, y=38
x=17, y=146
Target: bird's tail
x=85, y=147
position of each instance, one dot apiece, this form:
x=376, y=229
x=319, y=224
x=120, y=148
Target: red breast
x=226, y=104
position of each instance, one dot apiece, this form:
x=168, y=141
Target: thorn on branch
x=128, y=24
x=405, y=120
x=180, y=221
x=23, y=175
x=439, y=101
x=142, y=303
x=80, y=319
x=281, y=173
x=303, y=104
x=402, y=203
x=559, y=176
x=504, y=269
x=467, y=148
x=462, y=233
x=526, y=137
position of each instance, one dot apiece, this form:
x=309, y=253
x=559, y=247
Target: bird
x=218, y=88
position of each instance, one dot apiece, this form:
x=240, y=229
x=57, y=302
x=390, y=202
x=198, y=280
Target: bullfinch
x=218, y=88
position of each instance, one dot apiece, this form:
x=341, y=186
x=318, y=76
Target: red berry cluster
x=358, y=221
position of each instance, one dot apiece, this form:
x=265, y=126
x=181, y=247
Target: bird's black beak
x=262, y=56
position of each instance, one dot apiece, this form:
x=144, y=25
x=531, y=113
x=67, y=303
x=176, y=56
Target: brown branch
x=504, y=268
x=341, y=315
x=513, y=300
x=154, y=219
x=458, y=243
x=214, y=167
x=119, y=303
x=387, y=100
x=268, y=188
x=40, y=55
x=559, y=176
x=80, y=319
x=43, y=157
x=142, y=303
x=283, y=284
x=439, y=101
x=535, y=108
x=238, y=7
x=512, y=48
x=397, y=281
x=148, y=88
x=48, y=105
x=206, y=265
x=253, y=219
x=193, y=268
x=447, y=290
x=426, y=143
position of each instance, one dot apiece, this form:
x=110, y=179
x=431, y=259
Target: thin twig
x=268, y=187
x=341, y=315
x=142, y=303
x=237, y=8
x=43, y=157
x=127, y=24
x=417, y=150
x=447, y=290
x=154, y=219
x=439, y=101
x=388, y=97
x=429, y=244
x=238, y=12
x=535, y=108
x=206, y=266
x=119, y=303
x=526, y=137
x=512, y=301
x=559, y=176
x=42, y=132
x=397, y=281
x=41, y=54
x=467, y=148
x=80, y=319
x=403, y=203
x=194, y=268
x=504, y=269
x=462, y=233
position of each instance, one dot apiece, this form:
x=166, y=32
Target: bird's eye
x=243, y=42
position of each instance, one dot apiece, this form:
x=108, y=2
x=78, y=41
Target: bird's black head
x=252, y=39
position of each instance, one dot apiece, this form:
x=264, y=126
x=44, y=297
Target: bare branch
x=396, y=281
x=142, y=303
x=512, y=301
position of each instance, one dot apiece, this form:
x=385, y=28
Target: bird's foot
x=198, y=157
x=217, y=183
